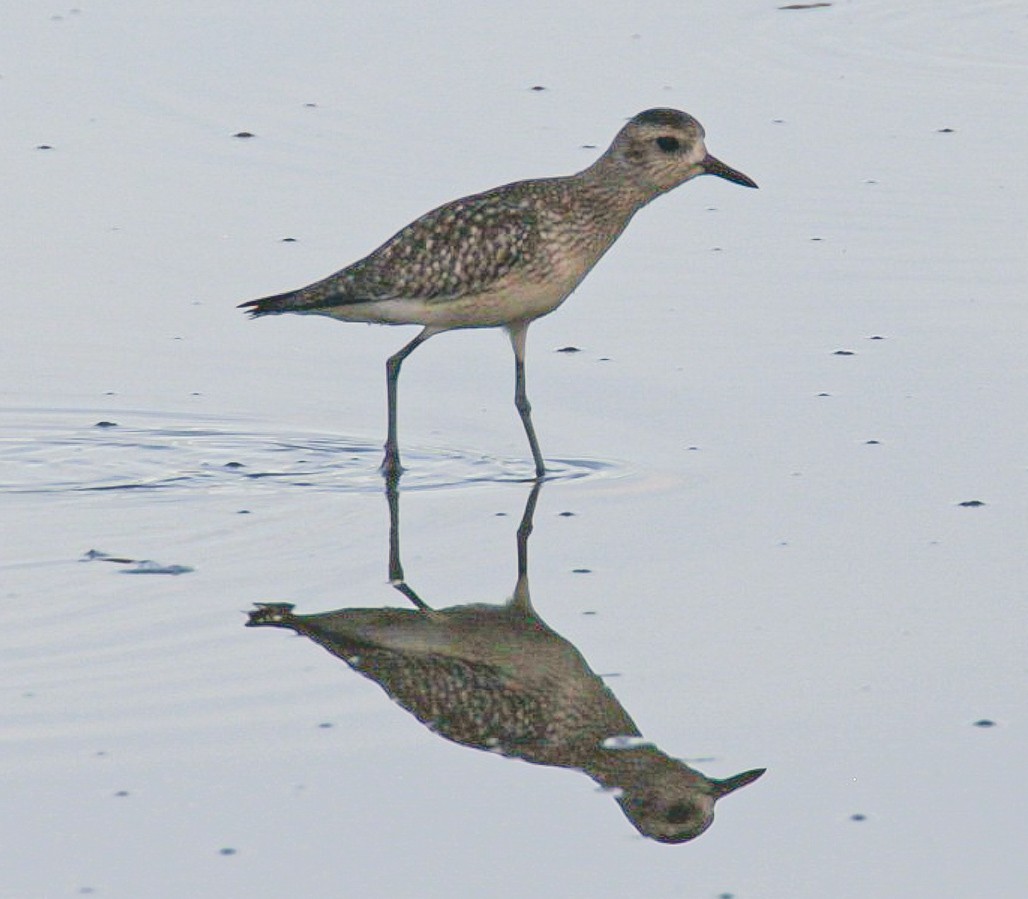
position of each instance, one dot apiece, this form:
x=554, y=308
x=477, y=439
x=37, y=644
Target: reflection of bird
x=496, y=677
x=505, y=257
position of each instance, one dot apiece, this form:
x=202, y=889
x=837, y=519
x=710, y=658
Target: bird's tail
x=282, y=302
x=272, y=614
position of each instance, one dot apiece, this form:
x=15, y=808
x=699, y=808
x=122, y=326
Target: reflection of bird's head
x=674, y=808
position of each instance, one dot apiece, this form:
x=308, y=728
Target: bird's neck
x=619, y=185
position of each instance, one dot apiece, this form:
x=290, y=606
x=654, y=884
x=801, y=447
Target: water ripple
x=59, y=453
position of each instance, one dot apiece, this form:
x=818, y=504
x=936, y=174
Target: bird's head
x=662, y=148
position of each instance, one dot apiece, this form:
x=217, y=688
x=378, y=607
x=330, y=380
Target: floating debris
x=568, y=349
x=106, y=424
x=244, y=134
x=96, y=555
x=984, y=722
x=143, y=566
x=971, y=503
x=844, y=353
x=148, y=566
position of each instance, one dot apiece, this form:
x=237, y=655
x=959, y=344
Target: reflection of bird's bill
x=723, y=787
x=714, y=166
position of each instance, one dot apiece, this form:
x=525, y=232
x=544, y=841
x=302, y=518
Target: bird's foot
x=391, y=468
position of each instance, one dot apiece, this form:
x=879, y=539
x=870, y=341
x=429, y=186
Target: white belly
x=512, y=300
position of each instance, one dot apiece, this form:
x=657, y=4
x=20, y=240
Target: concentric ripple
x=48, y=452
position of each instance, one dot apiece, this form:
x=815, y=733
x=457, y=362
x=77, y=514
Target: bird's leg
x=391, y=467
x=518, y=333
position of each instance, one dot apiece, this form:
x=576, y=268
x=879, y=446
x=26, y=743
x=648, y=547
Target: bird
x=507, y=256
x=496, y=677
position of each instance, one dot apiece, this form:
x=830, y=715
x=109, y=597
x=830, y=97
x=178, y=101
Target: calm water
x=786, y=526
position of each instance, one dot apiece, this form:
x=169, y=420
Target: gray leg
x=391, y=467
x=518, y=333
x=396, y=577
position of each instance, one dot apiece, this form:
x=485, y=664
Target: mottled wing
x=458, y=249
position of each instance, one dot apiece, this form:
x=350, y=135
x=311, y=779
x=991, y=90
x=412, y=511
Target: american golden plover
x=508, y=256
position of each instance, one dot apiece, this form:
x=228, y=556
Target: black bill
x=712, y=166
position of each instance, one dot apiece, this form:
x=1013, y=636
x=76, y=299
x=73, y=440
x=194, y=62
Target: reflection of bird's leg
x=396, y=577
x=521, y=597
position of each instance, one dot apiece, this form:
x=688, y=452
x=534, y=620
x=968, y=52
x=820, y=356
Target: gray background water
x=781, y=572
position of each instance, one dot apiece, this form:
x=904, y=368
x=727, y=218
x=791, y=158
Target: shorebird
x=498, y=678
x=510, y=255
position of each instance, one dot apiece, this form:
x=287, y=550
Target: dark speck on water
x=945, y=130
x=244, y=134
x=288, y=240
x=972, y=503
x=844, y=353
x=581, y=571
x=858, y=817
x=984, y=722
x=537, y=87
x=106, y=424
x=228, y=850
x=569, y=349
x=566, y=514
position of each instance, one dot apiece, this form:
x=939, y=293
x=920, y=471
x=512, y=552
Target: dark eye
x=668, y=144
